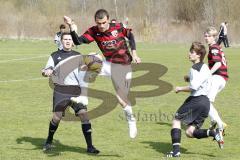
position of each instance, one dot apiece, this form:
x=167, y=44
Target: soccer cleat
x=213, y=125
x=219, y=138
x=92, y=150
x=172, y=154
x=47, y=147
x=132, y=128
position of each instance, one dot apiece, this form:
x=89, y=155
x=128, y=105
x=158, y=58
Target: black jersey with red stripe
x=217, y=55
x=112, y=42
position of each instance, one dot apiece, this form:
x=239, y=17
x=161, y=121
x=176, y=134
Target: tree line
x=151, y=20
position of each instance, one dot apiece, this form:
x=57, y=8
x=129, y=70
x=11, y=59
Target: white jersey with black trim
x=76, y=77
x=199, y=79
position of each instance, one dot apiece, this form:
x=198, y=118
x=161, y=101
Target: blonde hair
x=212, y=31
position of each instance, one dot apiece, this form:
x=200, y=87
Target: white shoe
x=132, y=127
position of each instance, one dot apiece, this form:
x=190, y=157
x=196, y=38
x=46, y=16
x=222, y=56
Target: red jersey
x=216, y=55
x=112, y=42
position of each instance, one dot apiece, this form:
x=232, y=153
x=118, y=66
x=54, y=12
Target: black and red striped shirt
x=217, y=55
x=112, y=42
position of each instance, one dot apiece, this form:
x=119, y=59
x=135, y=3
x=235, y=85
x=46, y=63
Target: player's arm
x=77, y=40
x=215, y=67
x=182, y=89
x=132, y=45
x=48, y=70
x=217, y=58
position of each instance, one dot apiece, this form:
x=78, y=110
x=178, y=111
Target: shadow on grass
x=58, y=147
x=164, y=148
x=165, y=123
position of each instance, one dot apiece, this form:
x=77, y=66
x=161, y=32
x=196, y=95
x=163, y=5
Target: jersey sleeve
x=50, y=63
x=87, y=37
x=127, y=33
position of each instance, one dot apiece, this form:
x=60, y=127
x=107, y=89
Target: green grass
x=25, y=109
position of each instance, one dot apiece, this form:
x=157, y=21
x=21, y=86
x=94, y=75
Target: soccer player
x=73, y=86
x=218, y=66
x=110, y=38
x=195, y=108
x=57, y=38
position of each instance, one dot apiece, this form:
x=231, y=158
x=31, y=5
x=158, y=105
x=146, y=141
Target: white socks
x=214, y=116
x=128, y=112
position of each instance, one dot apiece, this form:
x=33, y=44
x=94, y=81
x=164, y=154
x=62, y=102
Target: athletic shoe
x=172, y=154
x=92, y=150
x=213, y=125
x=47, y=146
x=132, y=127
x=219, y=138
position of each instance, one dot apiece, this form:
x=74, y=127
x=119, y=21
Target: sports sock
x=176, y=139
x=128, y=112
x=203, y=133
x=214, y=116
x=52, y=129
x=87, y=132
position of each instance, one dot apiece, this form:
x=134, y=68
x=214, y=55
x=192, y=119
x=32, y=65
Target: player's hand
x=80, y=99
x=178, y=89
x=67, y=20
x=47, y=72
x=136, y=59
x=186, y=78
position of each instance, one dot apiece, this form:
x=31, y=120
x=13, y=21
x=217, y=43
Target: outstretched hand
x=67, y=20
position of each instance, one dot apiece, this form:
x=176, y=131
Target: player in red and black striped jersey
x=110, y=38
x=218, y=66
x=215, y=56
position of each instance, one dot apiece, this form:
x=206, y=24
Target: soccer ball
x=94, y=62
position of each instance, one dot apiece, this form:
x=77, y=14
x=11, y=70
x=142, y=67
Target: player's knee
x=82, y=114
x=56, y=118
x=189, y=133
x=79, y=109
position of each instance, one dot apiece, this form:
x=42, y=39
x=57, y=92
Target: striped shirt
x=216, y=55
x=112, y=42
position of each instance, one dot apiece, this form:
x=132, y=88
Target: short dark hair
x=62, y=26
x=101, y=13
x=199, y=48
x=65, y=33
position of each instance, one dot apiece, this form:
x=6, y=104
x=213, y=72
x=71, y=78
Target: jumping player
x=110, y=38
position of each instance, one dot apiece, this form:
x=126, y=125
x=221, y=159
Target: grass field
x=26, y=103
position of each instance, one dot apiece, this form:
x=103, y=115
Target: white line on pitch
x=21, y=59
x=22, y=80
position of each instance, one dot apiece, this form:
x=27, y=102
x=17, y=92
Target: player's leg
x=60, y=103
x=226, y=41
x=176, y=138
x=217, y=84
x=121, y=77
x=81, y=112
x=53, y=125
x=220, y=40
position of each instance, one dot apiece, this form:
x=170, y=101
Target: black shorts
x=193, y=111
x=61, y=98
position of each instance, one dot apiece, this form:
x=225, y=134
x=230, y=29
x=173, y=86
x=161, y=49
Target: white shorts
x=120, y=74
x=217, y=84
